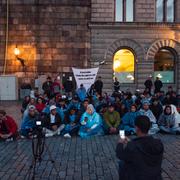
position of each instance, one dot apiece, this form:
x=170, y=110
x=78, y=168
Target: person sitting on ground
x=91, y=123
x=29, y=122
x=83, y=108
x=25, y=103
x=167, y=122
x=8, y=126
x=81, y=93
x=40, y=105
x=147, y=112
x=140, y=158
x=74, y=102
x=111, y=120
x=156, y=108
x=72, y=122
x=127, y=101
x=53, y=122
x=123, y=110
x=128, y=120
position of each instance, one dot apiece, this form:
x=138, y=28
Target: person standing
x=81, y=93
x=47, y=86
x=98, y=85
x=148, y=84
x=140, y=158
x=157, y=85
x=116, y=85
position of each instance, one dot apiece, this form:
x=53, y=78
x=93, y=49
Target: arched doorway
x=164, y=65
x=123, y=66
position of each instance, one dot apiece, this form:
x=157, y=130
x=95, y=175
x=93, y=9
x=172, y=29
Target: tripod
x=38, y=145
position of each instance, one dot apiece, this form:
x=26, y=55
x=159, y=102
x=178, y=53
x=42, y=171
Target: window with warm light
x=123, y=66
x=164, y=65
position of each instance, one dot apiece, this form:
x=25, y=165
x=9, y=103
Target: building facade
x=127, y=39
x=146, y=30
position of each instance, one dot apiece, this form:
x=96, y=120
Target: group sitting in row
x=94, y=114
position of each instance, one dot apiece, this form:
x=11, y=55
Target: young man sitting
x=8, y=127
x=140, y=158
x=53, y=122
x=29, y=122
x=112, y=120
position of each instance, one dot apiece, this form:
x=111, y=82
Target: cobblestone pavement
x=76, y=158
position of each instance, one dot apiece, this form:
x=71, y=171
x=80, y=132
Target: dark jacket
x=98, y=85
x=148, y=84
x=158, y=85
x=142, y=157
x=156, y=110
x=47, y=86
x=57, y=122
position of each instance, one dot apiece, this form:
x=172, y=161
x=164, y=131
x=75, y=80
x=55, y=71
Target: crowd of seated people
x=89, y=113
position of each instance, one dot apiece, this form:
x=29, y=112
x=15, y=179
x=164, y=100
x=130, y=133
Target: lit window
x=164, y=66
x=170, y=11
x=124, y=11
x=123, y=65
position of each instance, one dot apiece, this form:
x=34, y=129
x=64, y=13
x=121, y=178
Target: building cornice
x=134, y=25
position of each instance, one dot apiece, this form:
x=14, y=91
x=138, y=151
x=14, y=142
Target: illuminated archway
x=123, y=65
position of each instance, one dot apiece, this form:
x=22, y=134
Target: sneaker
x=49, y=134
x=67, y=135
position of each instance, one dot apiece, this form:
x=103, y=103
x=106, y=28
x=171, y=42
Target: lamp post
x=22, y=61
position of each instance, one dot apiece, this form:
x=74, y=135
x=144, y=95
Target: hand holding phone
x=122, y=134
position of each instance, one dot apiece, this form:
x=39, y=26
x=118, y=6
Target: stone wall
x=52, y=36
x=107, y=38
x=145, y=10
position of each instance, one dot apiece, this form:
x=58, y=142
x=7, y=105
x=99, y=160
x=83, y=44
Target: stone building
x=128, y=39
x=149, y=31
x=51, y=35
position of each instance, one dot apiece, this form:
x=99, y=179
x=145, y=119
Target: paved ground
x=76, y=158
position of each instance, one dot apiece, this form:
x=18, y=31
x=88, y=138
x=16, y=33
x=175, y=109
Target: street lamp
x=16, y=53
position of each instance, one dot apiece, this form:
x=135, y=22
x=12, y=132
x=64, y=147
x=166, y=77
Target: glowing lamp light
x=159, y=76
x=16, y=51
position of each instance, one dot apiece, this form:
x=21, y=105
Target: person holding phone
x=141, y=157
x=91, y=123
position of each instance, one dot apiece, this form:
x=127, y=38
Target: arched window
x=124, y=11
x=164, y=65
x=165, y=10
x=123, y=65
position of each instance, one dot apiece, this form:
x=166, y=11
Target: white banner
x=85, y=76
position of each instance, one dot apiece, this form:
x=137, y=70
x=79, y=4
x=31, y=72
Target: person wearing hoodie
x=145, y=110
x=167, y=121
x=129, y=119
x=91, y=123
x=140, y=158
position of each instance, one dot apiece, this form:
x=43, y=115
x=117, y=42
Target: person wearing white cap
x=28, y=122
x=53, y=122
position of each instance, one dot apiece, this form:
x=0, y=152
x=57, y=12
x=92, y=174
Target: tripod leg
x=52, y=161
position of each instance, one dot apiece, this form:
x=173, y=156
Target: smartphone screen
x=38, y=123
x=122, y=134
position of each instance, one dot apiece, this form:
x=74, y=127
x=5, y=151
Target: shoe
x=67, y=135
x=49, y=134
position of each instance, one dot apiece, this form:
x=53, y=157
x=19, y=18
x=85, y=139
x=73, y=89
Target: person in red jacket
x=8, y=126
x=40, y=105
